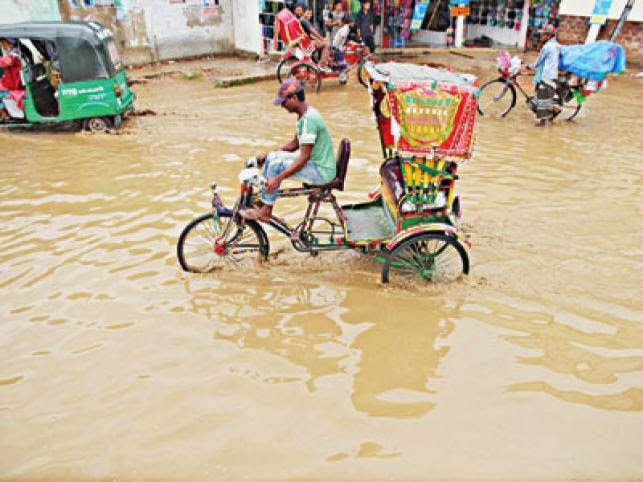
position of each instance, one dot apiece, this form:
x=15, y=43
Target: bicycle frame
x=304, y=237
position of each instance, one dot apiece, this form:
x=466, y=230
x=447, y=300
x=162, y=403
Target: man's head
x=7, y=43
x=339, y=7
x=308, y=13
x=299, y=10
x=548, y=31
x=290, y=95
x=366, y=6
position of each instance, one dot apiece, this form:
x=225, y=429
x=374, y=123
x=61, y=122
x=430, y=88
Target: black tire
x=433, y=257
x=361, y=74
x=196, y=246
x=283, y=68
x=98, y=124
x=568, y=105
x=496, y=98
x=307, y=74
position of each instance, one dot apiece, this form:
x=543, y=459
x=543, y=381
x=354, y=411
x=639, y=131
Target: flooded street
x=116, y=365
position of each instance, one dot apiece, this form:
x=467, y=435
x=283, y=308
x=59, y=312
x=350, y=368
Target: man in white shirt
x=339, y=40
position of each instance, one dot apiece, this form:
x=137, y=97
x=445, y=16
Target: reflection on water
x=115, y=364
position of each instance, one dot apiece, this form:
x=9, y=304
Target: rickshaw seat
x=343, y=155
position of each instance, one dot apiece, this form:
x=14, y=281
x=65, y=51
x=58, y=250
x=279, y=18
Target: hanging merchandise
x=541, y=13
x=421, y=7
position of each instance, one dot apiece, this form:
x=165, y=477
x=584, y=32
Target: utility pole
x=626, y=11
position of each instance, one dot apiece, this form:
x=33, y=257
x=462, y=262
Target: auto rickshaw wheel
x=98, y=124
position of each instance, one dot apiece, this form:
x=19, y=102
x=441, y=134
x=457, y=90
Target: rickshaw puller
x=546, y=75
x=12, y=91
x=309, y=157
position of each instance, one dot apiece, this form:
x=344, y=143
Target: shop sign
x=460, y=11
x=601, y=9
x=419, y=12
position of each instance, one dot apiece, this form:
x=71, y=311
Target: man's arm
x=540, y=60
x=304, y=156
x=292, y=146
x=315, y=34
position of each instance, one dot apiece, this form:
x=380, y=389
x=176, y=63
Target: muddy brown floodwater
x=114, y=364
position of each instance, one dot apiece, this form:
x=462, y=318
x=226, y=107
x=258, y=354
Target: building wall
x=12, y=11
x=573, y=30
x=152, y=30
x=247, y=29
x=585, y=8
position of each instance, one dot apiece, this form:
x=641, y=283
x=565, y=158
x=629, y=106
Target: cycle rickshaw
x=411, y=224
x=300, y=60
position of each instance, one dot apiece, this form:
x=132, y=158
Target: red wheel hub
x=220, y=248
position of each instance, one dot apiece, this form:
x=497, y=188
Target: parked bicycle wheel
x=433, y=257
x=307, y=74
x=202, y=248
x=283, y=68
x=568, y=104
x=496, y=98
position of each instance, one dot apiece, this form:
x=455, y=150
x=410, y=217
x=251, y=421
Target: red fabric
x=11, y=80
x=11, y=76
x=290, y=29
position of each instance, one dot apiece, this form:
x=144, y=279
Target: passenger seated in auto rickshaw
x=320, y=42
x=12, y=91
x=308, y=157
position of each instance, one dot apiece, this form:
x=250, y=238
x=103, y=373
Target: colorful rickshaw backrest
x=423, y=111
x=426, y=119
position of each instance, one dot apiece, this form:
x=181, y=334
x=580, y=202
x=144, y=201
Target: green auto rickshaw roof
x=93, y=32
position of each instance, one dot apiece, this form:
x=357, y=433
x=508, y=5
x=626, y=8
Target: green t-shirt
x=355, y=7
x=311, y=129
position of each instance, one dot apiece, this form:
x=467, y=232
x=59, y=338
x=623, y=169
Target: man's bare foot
x=541, y=123
x=259, y=214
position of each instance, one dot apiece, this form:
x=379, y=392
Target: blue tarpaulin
x=592, y=61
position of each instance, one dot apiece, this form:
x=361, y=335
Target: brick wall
x=573, y=30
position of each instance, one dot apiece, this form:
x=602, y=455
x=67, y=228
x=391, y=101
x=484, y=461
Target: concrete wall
x=12, y=11
x=585, y=8
x=247, y=29
x=151, y=30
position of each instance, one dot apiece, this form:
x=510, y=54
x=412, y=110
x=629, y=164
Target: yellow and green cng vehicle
x=72, y=72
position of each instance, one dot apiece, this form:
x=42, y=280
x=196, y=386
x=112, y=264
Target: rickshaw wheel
x=201, y=249
x=97, y=124
x=361, y=73
x=435, y=257
x=283, y=68
x=307, y=74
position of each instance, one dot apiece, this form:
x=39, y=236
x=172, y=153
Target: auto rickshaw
x=72, y=72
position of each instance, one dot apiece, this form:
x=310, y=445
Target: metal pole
x=459, y=30
x=621, y=21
